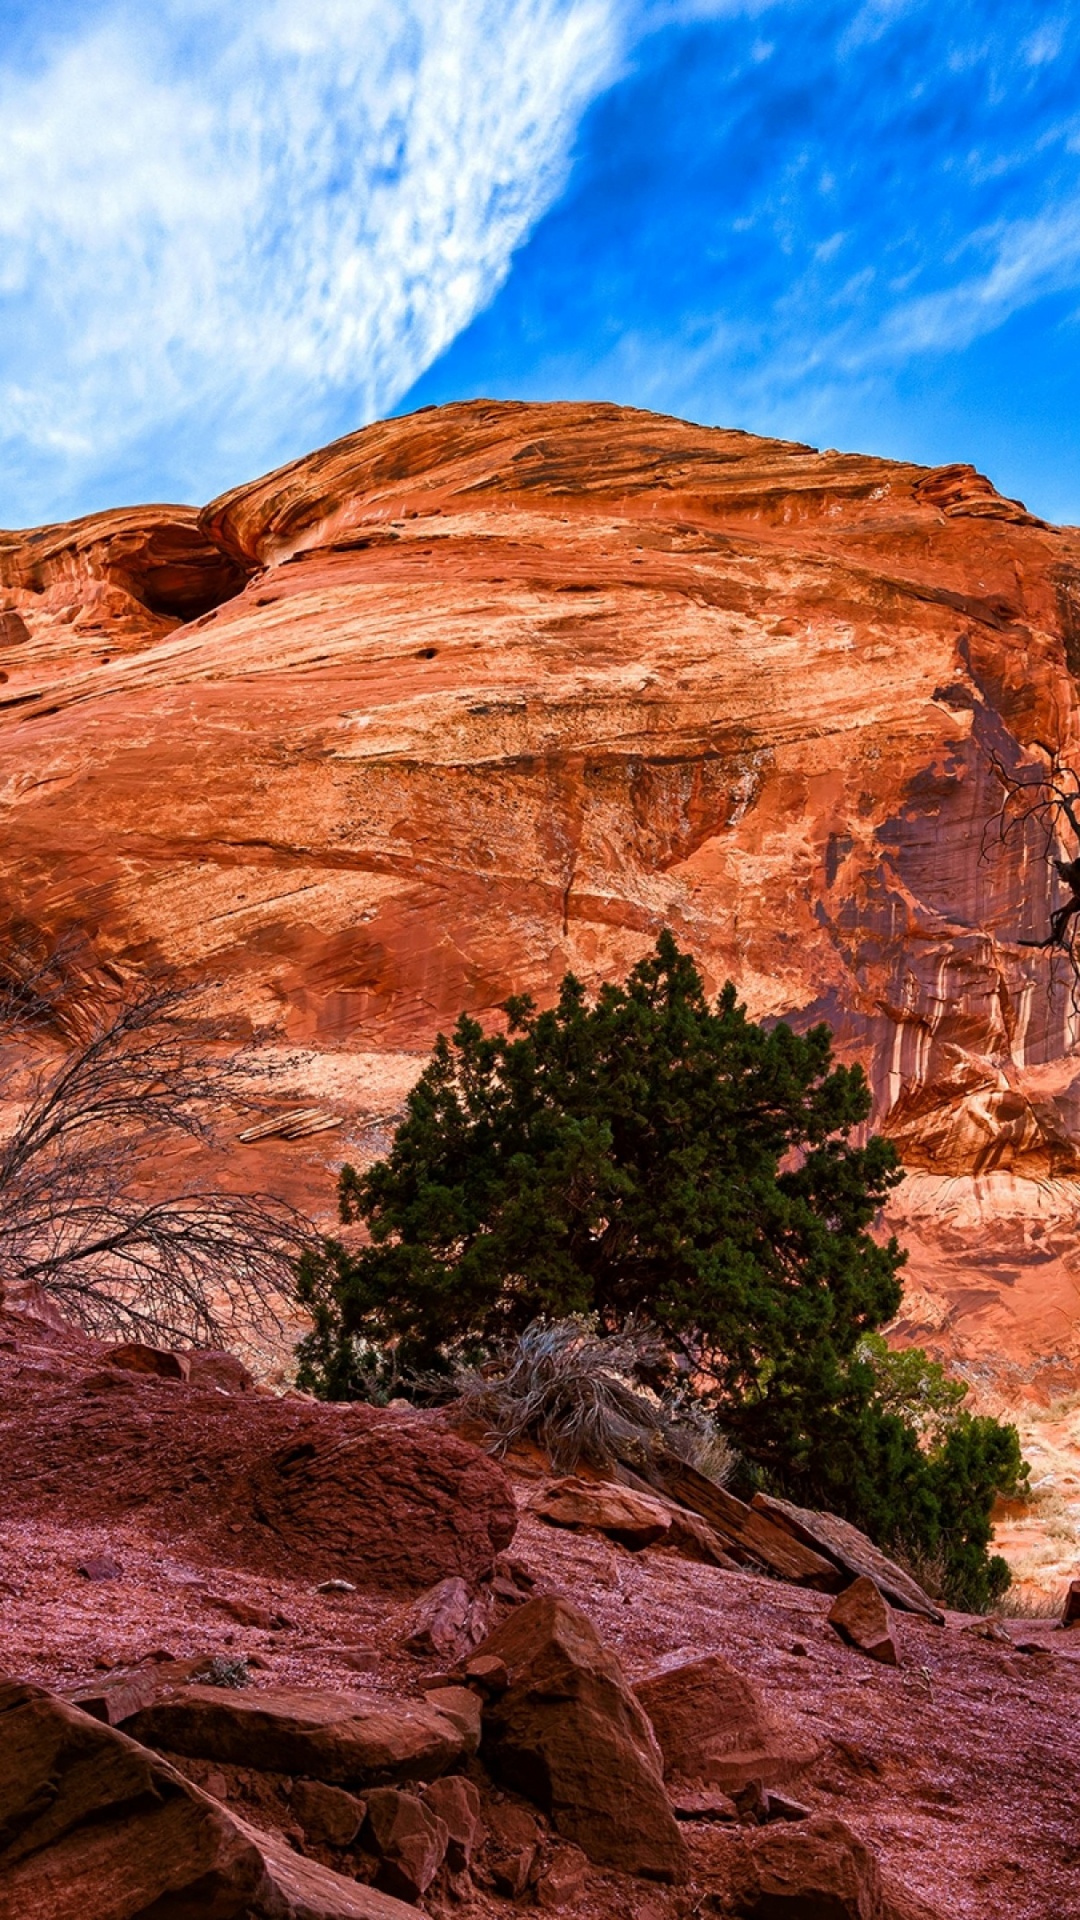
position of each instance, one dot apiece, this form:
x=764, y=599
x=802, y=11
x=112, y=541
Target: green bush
x=650, y=1155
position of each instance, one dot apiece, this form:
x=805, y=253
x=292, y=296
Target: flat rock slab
x=93, y=1827
x=634, y=1519
x=851, y=1552
x=714, y=1728
x=748, y=1534
x=344, y=1739
x=631, y=1515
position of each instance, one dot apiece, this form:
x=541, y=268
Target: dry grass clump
x=1015, y=1604
x=580, y=1395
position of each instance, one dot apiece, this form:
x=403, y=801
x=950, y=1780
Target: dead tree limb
x=1049, y=797
x=88, y=1213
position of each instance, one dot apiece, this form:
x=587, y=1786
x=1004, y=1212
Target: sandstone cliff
x=493, y=690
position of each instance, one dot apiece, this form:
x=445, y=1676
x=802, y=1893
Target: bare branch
x=1050, y=798
x=82, y=1215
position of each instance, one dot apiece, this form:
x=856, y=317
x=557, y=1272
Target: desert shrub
x=907, y=1382
x=580, y=1396
x=651, y=1154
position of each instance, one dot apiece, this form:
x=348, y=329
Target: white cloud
x=214, y=218
x=1028, y=259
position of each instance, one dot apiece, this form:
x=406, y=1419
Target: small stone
x=562, y=1879
x=513, y=1845
x=335, y=1586
x=117, y=1699
x=101, y=1566
x=439, y=1620
x=509, y=1567
x=752, y=1804
x=409, y=1839
x=487, y=1672
x=779, y=1807
x=861, y=1615
x=508, y=1590
x=690, y=1802
x=329, y=1816
x=800, y=1648
x=247, y=1613
x=359, y=1659
x=461, y=1706
x=456, y=1802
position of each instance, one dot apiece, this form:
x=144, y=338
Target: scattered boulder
x=487, y=1672
x=633, y=1519
x=861, y=1615
x=405, y=1500
x=161, y=1362
x=116, y=1699
x=342, y=1739
x=714, y=1729
x=513, y=1847
x=92, y=1824
x=850, y=1551
x=1070, y=1612
x=817, y=1870
x=569, y=1735
x=393, y=1503
x=749, y=1536
x=247, y=1613
x=463, y=1707
x=409, y=1839
x=329, y=1816
x=690, y=1802
x=209, y=1367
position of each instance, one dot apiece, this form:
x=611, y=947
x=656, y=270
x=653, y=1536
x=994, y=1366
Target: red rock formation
x=493, y=690
x=390, y=1502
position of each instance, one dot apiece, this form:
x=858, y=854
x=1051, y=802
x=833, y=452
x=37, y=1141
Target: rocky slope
x=658, y=1738
x=494, y=690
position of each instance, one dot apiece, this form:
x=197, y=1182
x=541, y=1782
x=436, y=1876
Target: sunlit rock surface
x=493, y=690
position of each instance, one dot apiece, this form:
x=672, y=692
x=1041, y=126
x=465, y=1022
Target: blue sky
x=229, y=233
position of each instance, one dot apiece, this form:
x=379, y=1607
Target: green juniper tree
x=648, y=1154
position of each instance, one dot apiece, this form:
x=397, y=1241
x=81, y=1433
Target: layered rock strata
x=493, y=690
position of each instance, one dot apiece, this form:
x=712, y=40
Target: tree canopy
x=647, y=1153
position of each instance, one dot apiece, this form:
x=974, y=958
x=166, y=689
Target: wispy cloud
x=221, y=226
x=230, y=232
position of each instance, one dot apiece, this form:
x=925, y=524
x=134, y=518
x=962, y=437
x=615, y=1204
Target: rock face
x=569, y=1734
x=91, y=1824
x=493, y=690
